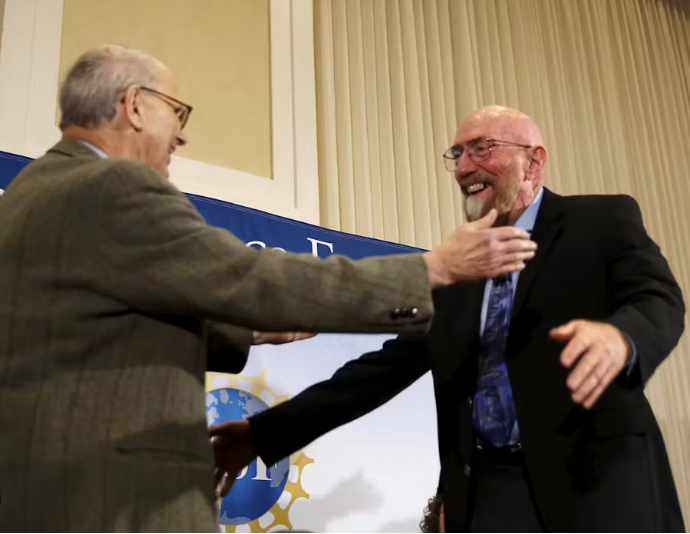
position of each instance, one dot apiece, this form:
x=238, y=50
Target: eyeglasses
x=181, y=109
x=478, y=150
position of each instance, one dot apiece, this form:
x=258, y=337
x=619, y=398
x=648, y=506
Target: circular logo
x=258, y=487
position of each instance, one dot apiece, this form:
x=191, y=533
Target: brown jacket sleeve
x=157, y=254
x=227, y=347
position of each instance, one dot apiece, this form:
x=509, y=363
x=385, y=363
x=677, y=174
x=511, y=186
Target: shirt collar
x=95, y=149
x=529, y=216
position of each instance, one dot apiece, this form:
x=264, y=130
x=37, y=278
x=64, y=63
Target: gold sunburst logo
x=258, y=386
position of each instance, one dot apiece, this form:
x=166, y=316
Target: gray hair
x=89, y=94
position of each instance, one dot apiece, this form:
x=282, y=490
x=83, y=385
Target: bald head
x=89, y=94
x=502, y=123
x=501, y=161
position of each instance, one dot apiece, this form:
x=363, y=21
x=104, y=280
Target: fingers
x=608, y=376
x=237, y=430
x=590, y=388
x=586, y=376
x=226, y=485
x=512, y=254
x=280, y=338
x=507, y=233
x=578, y=348
x=486, y=221
x=219, y=430
x=512, y=246
x=523, y=256
x=565, y=332
x=596, y=358
x=218, y=475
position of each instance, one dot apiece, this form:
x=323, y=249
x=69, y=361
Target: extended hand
x=233, y=450
x=476, y=251
x=602, y=351
x=279, y=338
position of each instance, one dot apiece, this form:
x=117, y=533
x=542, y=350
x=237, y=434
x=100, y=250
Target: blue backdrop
x=257, y=227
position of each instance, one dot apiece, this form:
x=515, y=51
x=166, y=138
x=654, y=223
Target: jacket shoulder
x=620, y=201
x=602, y=208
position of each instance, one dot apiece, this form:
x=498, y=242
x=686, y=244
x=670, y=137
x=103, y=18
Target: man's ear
x=537, y=162
x=132, y=107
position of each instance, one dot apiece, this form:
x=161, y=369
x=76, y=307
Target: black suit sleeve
x=649, y=304
x=356, y=389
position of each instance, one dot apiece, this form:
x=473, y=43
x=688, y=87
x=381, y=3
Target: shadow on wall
x=677, y=5
x=354, y=495
x=402, y=525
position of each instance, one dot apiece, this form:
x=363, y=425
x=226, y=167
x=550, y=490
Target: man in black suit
x=539, y=376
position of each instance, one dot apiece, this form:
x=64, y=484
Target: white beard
x=503, y=201
x=474, y=208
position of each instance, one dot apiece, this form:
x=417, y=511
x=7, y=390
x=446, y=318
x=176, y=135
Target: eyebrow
x=470, y=142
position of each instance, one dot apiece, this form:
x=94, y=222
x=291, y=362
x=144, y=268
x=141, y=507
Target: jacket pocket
x=627, y=420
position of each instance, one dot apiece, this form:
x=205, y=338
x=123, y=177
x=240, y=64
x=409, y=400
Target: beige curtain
x=607, y=81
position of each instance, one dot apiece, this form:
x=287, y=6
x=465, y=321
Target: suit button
x=467, y=470
x=414, y=312
x=395, y=314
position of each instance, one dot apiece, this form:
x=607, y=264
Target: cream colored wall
x=218, y=49
x=30, y=72
x=2, y=20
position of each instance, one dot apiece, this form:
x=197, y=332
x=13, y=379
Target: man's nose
x=182, y=139
x=465, y=165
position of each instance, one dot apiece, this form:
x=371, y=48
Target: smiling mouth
x=476, y=188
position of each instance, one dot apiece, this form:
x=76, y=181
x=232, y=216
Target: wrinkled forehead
x=477, y=127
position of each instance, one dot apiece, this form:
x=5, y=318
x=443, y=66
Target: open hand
x=476, y=251
x=600, y=352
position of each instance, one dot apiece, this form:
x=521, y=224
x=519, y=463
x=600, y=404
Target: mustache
x=476, y=178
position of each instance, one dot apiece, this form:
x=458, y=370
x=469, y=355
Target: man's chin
x=165, y=169
x=475, y=210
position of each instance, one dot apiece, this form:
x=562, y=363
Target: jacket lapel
x=546, y=229
x=457, y=326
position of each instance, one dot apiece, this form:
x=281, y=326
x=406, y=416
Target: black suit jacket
x=603, y=469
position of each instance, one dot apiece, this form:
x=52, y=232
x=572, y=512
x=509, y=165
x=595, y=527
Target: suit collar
x=73, y=148
x=546, y=229
x=459, y=306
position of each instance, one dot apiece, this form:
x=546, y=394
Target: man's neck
x=523, y=202
x=109, y=141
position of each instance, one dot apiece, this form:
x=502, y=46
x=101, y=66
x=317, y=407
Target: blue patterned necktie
x=493, y=410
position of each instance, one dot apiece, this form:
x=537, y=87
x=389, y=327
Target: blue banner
x=257, y=228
